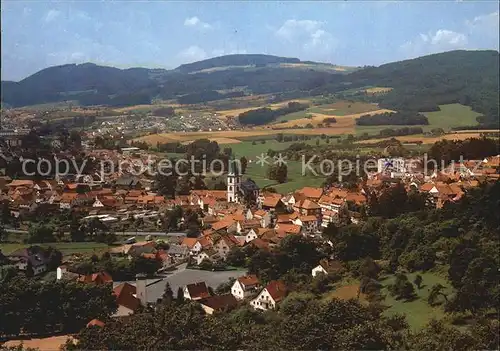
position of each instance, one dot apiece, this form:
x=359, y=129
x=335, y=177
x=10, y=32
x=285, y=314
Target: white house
x=309, y=224
x=97, y=203
x=327, y=267
x=270, y=296
x=244, y=287
x=250, y=236
x=201, y=256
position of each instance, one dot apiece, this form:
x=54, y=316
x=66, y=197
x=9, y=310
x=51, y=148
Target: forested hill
x=421, y=84
x=235, y=60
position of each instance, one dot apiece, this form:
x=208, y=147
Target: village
x=240, y=217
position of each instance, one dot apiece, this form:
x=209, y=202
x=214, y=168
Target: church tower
x=233, y=181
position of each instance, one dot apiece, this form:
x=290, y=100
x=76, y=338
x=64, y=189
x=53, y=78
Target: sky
x=159, y=34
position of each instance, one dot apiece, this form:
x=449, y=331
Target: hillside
x=235, y=60
x=421, y=84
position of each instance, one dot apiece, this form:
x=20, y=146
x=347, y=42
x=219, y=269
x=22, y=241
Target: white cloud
x=83, y=16
x=193, y=53
x=309, y=33
x=433, y=42
x=195, y=22
x=489, y=21
x=444, y=37
x=51, y=15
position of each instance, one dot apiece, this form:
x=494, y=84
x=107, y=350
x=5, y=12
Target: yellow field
x=376, y=90
x=347, y=121
x=428, y=140
x=228, y=137
x=218, y=140
x=237, y=111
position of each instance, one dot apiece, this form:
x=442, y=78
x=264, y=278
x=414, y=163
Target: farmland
x=431, y=139
x=241, y=134
x=452, y=115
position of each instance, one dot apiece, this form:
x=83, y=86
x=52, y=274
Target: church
x=237, y=190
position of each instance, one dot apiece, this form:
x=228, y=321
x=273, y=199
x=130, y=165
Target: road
x=20, y=231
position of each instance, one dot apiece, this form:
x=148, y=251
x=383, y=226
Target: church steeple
x=233, y=181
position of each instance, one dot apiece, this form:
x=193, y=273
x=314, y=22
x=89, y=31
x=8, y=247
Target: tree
x=418, y=281
x=168, y=294
x=40, y=233
x=478, y=289
x=278, y=172
x=3, y=233
x=244, y=163
x=369, y=268
x=435, y=292
x=402, y=288
x=27, y=305
x=225, y=288
x=180, y=295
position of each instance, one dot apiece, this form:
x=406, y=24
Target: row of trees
x=392, y=118
x=36, y=307
x=265, y=115
x=120, y=269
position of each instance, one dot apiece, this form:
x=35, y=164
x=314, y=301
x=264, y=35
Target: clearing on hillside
x=452, y=115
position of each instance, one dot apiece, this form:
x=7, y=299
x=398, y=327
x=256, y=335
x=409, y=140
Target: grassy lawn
x=418, y=312
x=295, y=178
x=343, y=108
x=251, y=151
x=452, y=115
x=65, y=248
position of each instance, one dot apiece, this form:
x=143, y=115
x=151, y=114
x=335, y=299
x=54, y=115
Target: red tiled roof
x=277, y=290
x=313, y=193
x=189, y=242
x=125, y=296
x=271, y=201
x=219, y=302
x=259, y=243
x=289, y=228
x=221, y=225
x=308, y=218
x=98, y=278
x=95, y=322
x=248, y=280
x=308, y=205
x=198, y=290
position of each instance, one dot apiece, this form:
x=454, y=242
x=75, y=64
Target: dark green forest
x=266, y=115
x=389, y=118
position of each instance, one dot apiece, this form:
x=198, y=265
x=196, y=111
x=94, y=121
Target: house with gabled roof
x=288, y=228
x=307, y=207
x=218, y=303
x=245, y=286
x=196, y=291
x=311, y=193
x=327, y=267
x=270, y=296
x=309, y=224
x=126, y=299
x=99, y=278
